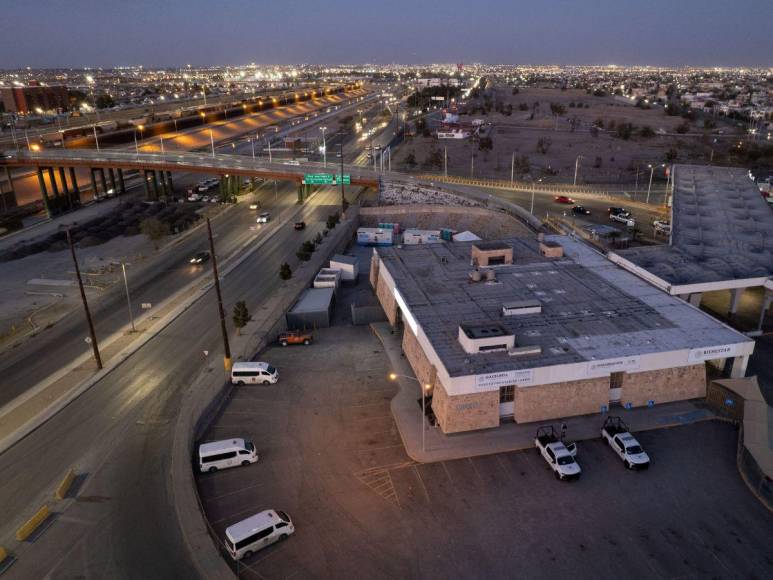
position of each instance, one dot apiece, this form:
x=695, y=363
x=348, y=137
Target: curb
x=32, y=524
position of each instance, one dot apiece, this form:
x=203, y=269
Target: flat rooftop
x=721, y=230
x=591, y=308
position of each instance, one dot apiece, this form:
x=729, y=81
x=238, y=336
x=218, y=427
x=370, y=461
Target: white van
x=227, y=453
x=253, y=373
x=248, y=536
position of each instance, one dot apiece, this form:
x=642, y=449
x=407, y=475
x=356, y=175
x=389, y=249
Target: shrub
x=646, y=132
x=285, y=273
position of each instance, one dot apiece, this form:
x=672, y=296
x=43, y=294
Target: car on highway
x=623, y=218
x=619, y=438
x=299, y=225
x=253, y=373
x=662, y=226
x=199, y=258
x=227, y=453
x=264, y=218
x=563, y=199
x=254, y=205
x=579, y=209
x=559, y=457
x=256, y=532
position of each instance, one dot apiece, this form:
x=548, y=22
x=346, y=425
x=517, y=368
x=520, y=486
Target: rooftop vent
x=521, y=307
x=479, y=338
x=551, y=249
x=492, y=253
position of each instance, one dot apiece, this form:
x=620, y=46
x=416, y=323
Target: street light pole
x=221, y=313
x=423, y=388
x=445, y=161
x=212, y=141
x=253, y=148
x=128, y=299
x=324, y=146
x=96, y=139
x=576, y=167
x=136, y=146
x=649, y=187
x=162, y=147
x=269, y=149
x=343, y=194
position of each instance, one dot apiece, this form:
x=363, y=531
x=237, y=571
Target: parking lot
x=332, y=458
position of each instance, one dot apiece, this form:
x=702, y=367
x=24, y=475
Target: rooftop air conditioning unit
x=521, y=307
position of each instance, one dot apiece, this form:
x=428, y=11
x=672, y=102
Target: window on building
x=616, y=380
x=506, y=394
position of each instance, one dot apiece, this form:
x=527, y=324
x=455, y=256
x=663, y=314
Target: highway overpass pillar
x=8, y=198
x=94, y=190
x=162, y=179
x=145, y=180
x=65, y=188
x=44, y=191
x=300, y=192
x=111, y=175
x=103, y=181
x=121, y=184
x=54, y=186
x=75, y=193
x=154, y=183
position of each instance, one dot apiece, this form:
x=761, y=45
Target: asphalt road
x=119, y=433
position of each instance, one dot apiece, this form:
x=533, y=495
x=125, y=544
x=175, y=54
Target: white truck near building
x=559, y=456
x=616, y=434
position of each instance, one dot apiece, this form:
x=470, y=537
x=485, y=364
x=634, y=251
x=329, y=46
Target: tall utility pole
x=128, y=298
x=92, y=334
x=445, y=161
x=343, y=195
x=226, y=346
x=512, y=169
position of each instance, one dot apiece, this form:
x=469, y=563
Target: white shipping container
x=411, y=237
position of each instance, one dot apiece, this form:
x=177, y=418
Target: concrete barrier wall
x=362, y=315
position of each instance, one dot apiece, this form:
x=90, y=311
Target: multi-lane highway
x=222, y=133
x=119, y=434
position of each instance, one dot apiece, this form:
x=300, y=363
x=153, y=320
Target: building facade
x=533, y=330
x=34, y=99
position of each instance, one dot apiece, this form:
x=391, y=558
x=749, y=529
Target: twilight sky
x=76, y=33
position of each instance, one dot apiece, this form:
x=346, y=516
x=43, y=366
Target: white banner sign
x=712, y=352
x=614, y=365
x=504, y=379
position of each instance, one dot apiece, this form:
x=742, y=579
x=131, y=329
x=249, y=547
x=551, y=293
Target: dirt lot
x=606, y=158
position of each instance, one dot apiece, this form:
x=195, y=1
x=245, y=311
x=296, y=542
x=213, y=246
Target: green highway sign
x=318, y=179
x=325, y=179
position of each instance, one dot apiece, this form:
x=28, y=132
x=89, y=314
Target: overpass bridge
x=107, y=170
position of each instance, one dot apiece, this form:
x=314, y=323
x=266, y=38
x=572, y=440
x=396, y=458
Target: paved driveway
x=332, y=458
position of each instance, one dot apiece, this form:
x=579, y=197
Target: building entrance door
x=615, y=387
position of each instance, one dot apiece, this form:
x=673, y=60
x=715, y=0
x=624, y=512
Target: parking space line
x=475, y=469
x=448, y=473
x=424, y=487
x=397, y=496
x=380, y=448
x=216, y=497
x=504, y=467
x=233, y=515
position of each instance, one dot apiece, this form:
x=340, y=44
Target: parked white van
x=253, y=373
x=256, y=532
x=227, y=453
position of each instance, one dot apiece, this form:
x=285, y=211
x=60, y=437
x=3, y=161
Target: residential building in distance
x=34, y=99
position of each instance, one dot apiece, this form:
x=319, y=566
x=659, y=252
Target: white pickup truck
x=616, y=433
x=559, y=456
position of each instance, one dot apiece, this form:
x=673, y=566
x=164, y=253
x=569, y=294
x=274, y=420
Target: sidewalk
x=509, y=436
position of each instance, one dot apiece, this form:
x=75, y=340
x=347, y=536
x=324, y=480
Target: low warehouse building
x=312, y=310
x=539, y=330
